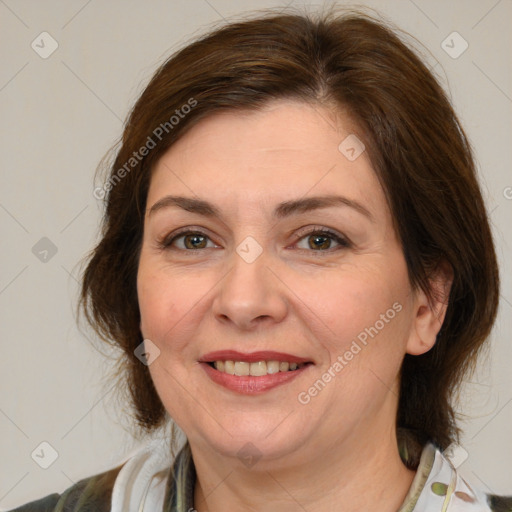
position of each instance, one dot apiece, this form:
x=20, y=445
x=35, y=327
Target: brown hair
x=415, y=142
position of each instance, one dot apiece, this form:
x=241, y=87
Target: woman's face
x=236, y=274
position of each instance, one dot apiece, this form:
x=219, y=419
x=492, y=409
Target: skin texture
x=340, y=447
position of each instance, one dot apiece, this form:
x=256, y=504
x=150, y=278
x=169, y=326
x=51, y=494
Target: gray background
x=59, y=116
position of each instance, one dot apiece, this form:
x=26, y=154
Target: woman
x=297, y=263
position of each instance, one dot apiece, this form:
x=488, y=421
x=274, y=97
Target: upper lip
x=252, y=357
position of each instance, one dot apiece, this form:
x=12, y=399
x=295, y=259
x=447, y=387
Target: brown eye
x=191, y=240
x=194, y=241
x=320, y=240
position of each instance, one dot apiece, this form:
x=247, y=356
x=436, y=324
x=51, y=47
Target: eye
x=320, y=240
x=192, y=240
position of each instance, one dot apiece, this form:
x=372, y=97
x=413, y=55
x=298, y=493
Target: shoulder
x=499, y=503
x=91, y=494
x=143, y=477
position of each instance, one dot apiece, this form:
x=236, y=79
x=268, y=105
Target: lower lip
x=250, y=385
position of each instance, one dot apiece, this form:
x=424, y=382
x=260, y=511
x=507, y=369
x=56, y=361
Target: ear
x=430, y=313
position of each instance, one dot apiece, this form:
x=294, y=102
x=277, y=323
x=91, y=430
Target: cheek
x=167, y=306
x=155, y=303
x=170, y=304
x=369, y=315
x=369, y=321
x=360, y=300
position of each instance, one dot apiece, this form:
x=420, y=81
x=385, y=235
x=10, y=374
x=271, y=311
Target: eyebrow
x=282, y=210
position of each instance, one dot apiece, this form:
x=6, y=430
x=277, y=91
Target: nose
x=251, y=294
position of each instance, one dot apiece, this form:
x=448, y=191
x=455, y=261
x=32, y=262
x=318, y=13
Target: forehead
x=286, y=150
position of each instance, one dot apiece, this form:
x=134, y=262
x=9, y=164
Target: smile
x=253, y=373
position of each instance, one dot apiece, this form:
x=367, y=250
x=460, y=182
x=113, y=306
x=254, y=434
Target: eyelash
x=167, y=241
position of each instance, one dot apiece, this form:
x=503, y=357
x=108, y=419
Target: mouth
x=252, y=373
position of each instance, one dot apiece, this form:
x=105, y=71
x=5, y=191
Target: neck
x=350, y=475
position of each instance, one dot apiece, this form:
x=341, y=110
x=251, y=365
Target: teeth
x=242, y=368
x=229, y=367
x=284, y=367
x=258, y=369
x=273, y=367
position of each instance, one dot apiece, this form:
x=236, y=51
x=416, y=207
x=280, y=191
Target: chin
x=252, y=440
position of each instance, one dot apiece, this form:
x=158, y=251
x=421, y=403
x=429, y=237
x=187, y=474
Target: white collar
x=141, y=482
x=442, y=489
